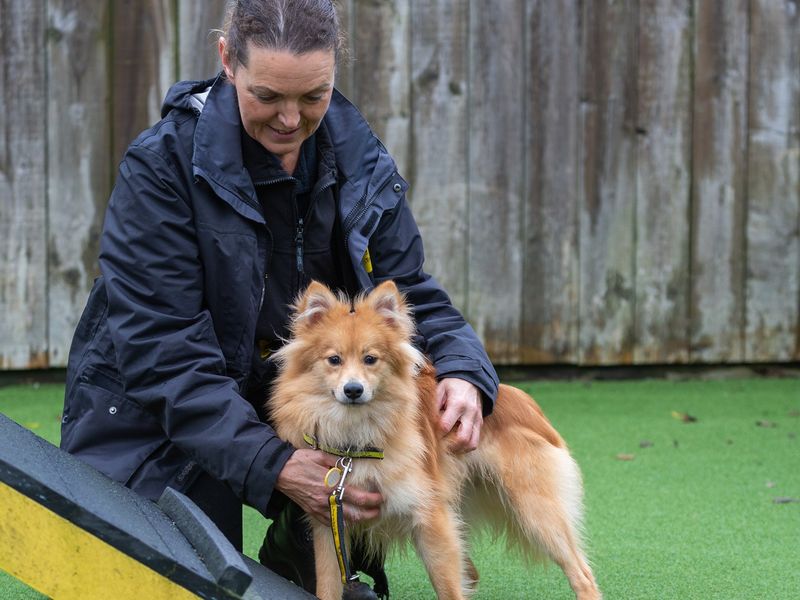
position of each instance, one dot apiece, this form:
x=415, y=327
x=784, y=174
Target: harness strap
x=366, y=452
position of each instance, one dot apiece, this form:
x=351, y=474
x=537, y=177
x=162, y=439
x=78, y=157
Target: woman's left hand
x=461, y=412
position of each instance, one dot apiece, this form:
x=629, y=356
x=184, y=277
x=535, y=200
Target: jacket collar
x=363, y=164
x=359, y=159
x=217, y=155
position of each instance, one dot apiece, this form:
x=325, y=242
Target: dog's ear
x=388, y=302
x=313, y=304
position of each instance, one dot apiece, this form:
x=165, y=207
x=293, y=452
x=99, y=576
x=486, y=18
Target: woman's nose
x=289, y=116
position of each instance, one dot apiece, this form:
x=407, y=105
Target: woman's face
x=282, y=96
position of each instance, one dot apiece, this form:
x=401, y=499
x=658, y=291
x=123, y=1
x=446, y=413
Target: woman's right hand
x=303, y=480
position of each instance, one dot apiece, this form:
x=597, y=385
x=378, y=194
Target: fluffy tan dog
x=351, y=377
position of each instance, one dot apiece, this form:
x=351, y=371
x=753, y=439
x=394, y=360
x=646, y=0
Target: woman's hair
x=298, y=26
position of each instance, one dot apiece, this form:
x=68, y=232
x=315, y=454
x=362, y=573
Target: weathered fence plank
x=773, y=173
x=496, y=176
x=198, y=57
x=719, y=168
x=381, y=72
x=23, y=136
x=663, y=182
x=78, y=145
x=438, y=168
x=344, y=66
x=607, y=193
x=550, y=294
x=145, y=65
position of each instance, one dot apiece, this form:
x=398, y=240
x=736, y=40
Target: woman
x=252, y=184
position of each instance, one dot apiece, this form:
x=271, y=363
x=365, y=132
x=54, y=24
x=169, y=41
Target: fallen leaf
x=767, y=424
x=771, y=484
x=794, y=413
x=645, y=444
x=623, y=456
x=784, y=500
x=32, y=425
x=682, y=416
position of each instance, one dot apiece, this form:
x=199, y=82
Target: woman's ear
x=227, y=66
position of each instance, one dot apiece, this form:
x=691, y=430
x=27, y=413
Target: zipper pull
x=298, y=240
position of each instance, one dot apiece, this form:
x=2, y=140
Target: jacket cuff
x=472, y=371
x=259, y=485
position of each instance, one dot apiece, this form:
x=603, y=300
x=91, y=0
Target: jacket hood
x=180, y=96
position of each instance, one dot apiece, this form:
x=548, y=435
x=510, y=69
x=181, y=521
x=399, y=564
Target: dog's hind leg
x=437, y=540
x=544, y=500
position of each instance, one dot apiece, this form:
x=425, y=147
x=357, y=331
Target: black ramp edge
x=268, y=585
x=220, y=557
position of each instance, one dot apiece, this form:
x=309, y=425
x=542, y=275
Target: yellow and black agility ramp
x=70, y=532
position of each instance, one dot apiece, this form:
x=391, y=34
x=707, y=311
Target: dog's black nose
x=353, y=390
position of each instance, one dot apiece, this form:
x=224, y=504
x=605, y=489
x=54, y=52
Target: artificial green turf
x=692, y=516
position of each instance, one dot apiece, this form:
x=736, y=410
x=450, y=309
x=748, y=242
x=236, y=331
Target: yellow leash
x=334, y=478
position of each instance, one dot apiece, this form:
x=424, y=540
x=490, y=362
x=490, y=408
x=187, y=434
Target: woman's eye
x=334, y=360
x=370, y=360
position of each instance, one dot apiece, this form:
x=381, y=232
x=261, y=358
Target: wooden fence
x=597, y=181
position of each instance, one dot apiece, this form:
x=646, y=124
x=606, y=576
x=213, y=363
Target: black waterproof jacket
x=165, y=343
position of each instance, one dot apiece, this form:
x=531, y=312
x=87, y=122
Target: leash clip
x=345, y=465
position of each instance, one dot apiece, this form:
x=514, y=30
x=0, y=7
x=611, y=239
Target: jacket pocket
x=106, y=430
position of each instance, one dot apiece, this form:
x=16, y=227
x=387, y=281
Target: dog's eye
x=370, y=360
x=334, y=360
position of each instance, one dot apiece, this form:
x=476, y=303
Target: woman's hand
x=302, y=480
x=461, y=412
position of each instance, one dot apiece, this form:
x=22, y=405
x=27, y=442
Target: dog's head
x=351, y=352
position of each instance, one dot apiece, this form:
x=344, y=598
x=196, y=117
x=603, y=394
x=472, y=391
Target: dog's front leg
x=329, y=580
x=439, y=545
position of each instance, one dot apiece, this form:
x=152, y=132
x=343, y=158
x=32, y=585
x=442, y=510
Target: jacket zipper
x=299, y=239
x=298, y=246
x=271, y=241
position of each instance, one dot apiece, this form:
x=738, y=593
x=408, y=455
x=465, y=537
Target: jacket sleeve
x=397, y=253
x=163, y=335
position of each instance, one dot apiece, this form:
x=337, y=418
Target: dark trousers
x=221, y=505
